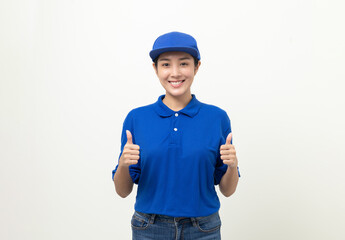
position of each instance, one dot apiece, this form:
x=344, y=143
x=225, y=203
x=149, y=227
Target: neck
x=177, y=103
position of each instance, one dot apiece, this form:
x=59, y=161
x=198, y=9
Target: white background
x=71, y=70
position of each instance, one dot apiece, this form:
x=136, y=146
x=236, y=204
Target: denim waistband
x=152, y=217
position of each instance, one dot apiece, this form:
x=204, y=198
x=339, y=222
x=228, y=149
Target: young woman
x=176, y=149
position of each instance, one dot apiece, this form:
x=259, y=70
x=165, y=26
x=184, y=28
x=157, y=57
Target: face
x=176, y=71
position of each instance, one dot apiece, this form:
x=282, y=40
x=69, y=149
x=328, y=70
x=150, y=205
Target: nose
x=175, y=71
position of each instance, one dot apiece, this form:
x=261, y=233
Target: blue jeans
x=162, y=227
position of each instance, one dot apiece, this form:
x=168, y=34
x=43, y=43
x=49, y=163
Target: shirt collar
x=190, y=110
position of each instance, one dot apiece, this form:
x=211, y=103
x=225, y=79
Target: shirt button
x=176, y=114
x=175, y=129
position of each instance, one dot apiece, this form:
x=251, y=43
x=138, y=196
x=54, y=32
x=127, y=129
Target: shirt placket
x=175, y=131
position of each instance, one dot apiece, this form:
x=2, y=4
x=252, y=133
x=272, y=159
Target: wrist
x=122, y=166
x=233, y=166
x=230, y=168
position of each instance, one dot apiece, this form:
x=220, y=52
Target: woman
x=176, y=149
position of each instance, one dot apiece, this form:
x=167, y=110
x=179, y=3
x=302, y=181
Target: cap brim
x=155, y=53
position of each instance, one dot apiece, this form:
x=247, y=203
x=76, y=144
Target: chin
x=176, y=94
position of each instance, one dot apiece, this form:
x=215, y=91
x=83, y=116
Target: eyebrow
x=181, y=59
x=185, y=58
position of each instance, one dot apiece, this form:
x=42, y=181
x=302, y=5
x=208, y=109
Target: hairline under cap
x=157, y=52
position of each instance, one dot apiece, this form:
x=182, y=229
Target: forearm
x=229, y=181
x=123, y=181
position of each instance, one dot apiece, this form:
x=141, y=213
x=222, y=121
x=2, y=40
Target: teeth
x=176, y=83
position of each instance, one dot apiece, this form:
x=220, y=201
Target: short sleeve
x=220, y=168
x=134, y=170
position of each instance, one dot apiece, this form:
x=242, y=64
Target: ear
x=155, y=68
x=197, y=68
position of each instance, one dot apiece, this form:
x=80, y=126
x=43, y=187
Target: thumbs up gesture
x=228, y=153
x=130, y=153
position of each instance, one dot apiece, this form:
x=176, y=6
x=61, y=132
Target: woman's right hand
x=130, y=153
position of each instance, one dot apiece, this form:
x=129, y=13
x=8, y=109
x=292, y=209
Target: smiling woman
x=176, y=149
x=176, y=71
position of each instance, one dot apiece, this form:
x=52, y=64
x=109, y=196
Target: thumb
x=129, y=137
x=228, y=139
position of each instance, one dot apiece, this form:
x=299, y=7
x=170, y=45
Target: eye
x=165, y=64
x=184, y=64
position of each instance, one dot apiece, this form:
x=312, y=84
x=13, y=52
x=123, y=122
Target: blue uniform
x=179, y=163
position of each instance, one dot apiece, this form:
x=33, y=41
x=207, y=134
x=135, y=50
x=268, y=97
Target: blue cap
x=175, y=41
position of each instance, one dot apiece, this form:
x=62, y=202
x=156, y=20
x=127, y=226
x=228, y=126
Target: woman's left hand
x=228, y=153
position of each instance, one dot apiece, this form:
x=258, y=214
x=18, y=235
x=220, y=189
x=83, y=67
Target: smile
x=176, y=84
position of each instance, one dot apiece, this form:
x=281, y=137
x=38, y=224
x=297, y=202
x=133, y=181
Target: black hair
x=196, y=61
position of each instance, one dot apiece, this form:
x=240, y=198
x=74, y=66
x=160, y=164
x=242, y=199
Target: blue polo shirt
x=179, y=163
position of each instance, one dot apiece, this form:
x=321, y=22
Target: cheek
x=189, y=74
x=190, y=70
x=162, y=75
